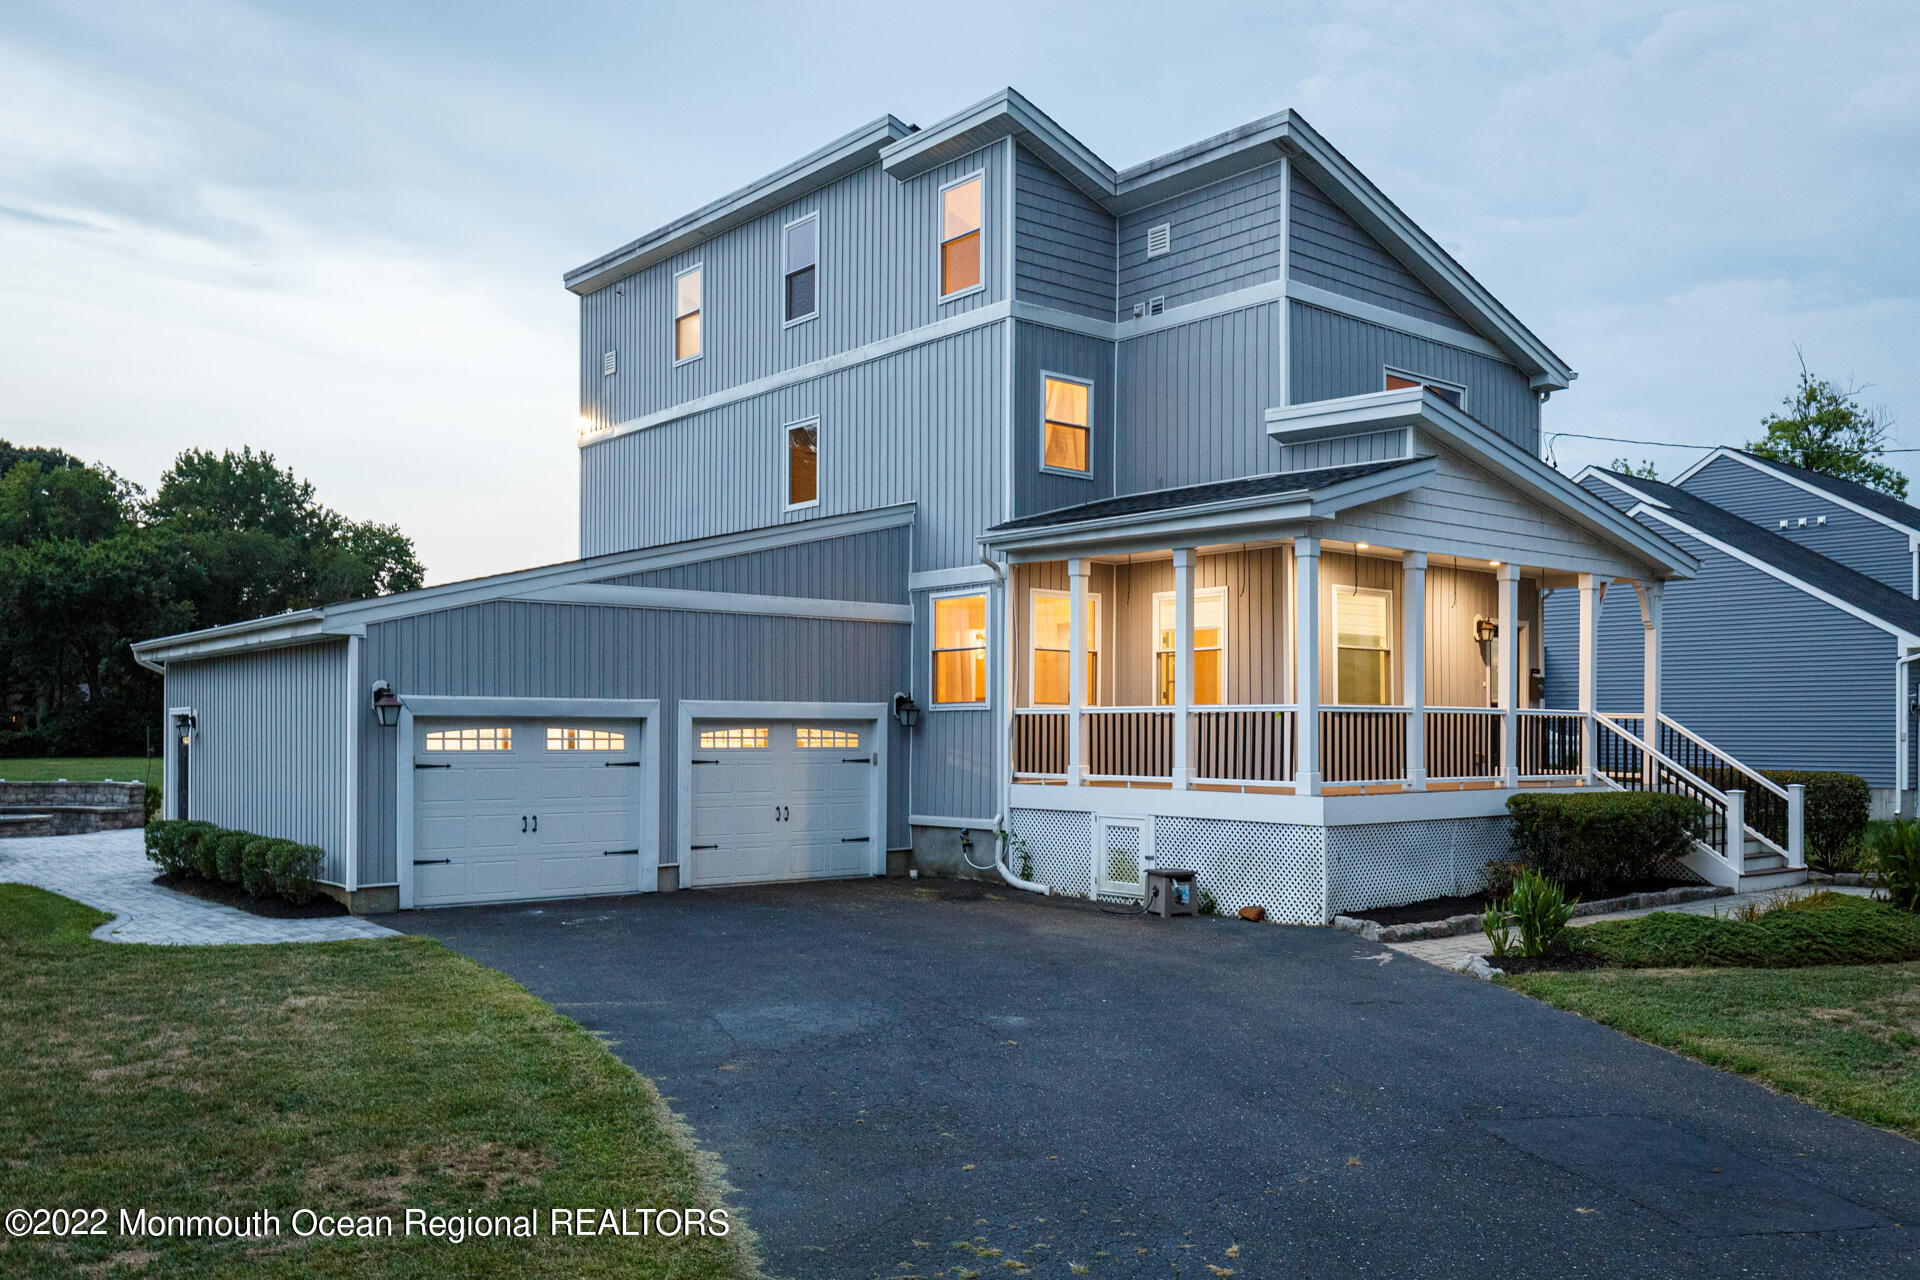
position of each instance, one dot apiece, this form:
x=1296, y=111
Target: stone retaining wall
x=71, y=808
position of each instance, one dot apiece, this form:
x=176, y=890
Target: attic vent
x=608, y=362
x=1159, y=239
x=1156, y=305
x=1139, y=309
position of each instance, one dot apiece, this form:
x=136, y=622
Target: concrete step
x=1769, y=881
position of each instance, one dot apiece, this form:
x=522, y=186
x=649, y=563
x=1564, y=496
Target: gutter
x=1001, y=752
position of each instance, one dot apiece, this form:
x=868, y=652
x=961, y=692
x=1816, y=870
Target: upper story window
x=960, y=237
x=1362, y=617
x=686, y=314
x=1067, y=413
x=1052, y=647
x=960, y=650
x=1209, y=642
x=803, y=268
x=803, y=464
x=1451, y=392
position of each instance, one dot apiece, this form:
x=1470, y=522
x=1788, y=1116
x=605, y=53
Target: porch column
x=1077, y=571
x=1592, y=593
x=1306, y=665
x=1182, y=667
x=1509, y=642
x=1413, y=663
x=1649, y=594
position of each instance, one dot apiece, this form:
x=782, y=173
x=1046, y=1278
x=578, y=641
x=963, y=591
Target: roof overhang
x=279, y=631
x=1420, y=408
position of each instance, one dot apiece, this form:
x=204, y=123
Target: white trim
x=1296, y=809
x=1154, y=650
x=673, y=306
x=356, y=722
x=933, y=599
x=275, y=632
x=1759, y=464
x=786, y=439
x=1407, y=375
x=1386, y=318
x=1283, y=365
x=1034, y=596
x=690, y=601
x=1046, y=376
x=786, y=270
x=942, y=240
x=967, y=575
x=964, y=824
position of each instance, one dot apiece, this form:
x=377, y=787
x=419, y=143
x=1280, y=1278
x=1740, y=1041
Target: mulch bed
x=232, y=895
x=1474, y=904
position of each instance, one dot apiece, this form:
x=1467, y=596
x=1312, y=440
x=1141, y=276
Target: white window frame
x=933, y=635
x=1153, y=642
x=1389, y=371
x=1045, y=377
x=786, y=269
x=786, y=463
x=1034, y=596
x=1341, y=591
x=673, y=307
x=940, y=241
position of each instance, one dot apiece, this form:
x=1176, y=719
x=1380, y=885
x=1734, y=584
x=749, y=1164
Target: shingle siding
x=1063, y=242
x=1859, y=542
x=1224, y=237
x=1331, y=251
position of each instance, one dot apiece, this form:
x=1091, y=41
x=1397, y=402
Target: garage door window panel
x=562, y=739
x=734, y=739
x=477, y=739
x=808, y=738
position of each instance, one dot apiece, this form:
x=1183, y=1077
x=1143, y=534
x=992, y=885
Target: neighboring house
x=1188, y=514
x=1793, y=646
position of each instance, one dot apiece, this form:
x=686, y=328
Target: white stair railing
x=1646, y=768
x=1775, y=815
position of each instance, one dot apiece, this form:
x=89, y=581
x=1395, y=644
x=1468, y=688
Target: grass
x=355, y=1077
x=83, y=769
x=1819, y=929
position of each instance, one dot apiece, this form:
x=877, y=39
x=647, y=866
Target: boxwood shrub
x=1595, y=842
x=1836, y=814
x=261, y=865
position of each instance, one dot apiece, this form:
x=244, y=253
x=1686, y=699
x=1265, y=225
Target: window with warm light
x=744, y=738
x=1067, y=412
x=686, y=314
x=1053, y=647
x=960, y=650
x=1209, y=636
x=808, y=738
x=1453, y=395
x=585, y=740
x=802, y=247
x=489, y=739
x=960, y=237
x=1363, y=648
x=803, y=464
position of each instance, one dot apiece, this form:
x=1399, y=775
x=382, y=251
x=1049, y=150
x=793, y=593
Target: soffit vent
x=1159, y=239
x=608, y=363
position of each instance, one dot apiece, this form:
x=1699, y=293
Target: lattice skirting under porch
x=1387, y=864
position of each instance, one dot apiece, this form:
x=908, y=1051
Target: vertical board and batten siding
x=269, y=753
x=1342, y=451
x=878, y=277
x=1862, y=544
x=869, y=566
x=1063, y=242
x=524, y=650
x=1331, y=251
x=1227, y=236
x=1192, y=399
x=1039, y=351
x=1335, y=355
x=954, y=753
x=922, y=425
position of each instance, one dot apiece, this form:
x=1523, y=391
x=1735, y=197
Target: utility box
x=1171, y=893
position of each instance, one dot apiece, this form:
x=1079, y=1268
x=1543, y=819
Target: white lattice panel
x=1243, y=864
x=1389, y=864
x=1060, y=845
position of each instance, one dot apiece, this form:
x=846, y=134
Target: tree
x=1646, y=470
x=1825, y=428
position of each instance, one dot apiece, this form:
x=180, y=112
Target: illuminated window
x=1209, y=634
x=960, y=237
x=1452, y=394
x=1052, y=647
x=1067, y=415
x=723, y=739
x=585, y=740
x=1362, y=617
x=803, y=267
x=960, y=650
x=805, y=737
x=500, y=739
x=803, y=464
x=686, y=314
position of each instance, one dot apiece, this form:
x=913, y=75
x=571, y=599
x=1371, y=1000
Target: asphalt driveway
x=923, y=1078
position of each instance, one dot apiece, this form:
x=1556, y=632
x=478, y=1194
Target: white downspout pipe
x=1902, y=685
x=1003, y=755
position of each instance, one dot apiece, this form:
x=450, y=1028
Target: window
x=1452, y=394
x=1363, y=648
x=803, y=268
x=1209, y=636
x=729, y=739
x=500, y=739
x=960, y=237
x=1053, y=647
x=584, y=740
x=960, y=650
x=686, y=314
x=1067, y=412
x=803, y=464
x=839, y=739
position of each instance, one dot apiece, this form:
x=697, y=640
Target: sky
x=336, y=232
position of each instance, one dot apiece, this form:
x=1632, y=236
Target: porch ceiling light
x=1494, y=563
x=386, y=704
x=1362, y=546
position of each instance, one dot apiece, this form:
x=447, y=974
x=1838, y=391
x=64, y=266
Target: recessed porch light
x=1362, y=546
x=1494, y=563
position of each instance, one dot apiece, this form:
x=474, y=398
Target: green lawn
x=355, y=1077
x=83, y=769
x=1846, y=1038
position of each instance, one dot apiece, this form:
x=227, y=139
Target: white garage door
x=506, y=810
x=782, y=800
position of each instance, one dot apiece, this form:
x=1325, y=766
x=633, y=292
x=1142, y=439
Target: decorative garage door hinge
x=418, y=765
x=706, y=762
x=705, y=846
x=623, y=764
x=855, y=839
x=621, y=853
x=430, y=862
x=872, y=759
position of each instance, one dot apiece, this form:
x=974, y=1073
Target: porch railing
x=1463, y=743
x=1040, y=743
x=1549, y=745
x=1363, y=746
x=1129, y=744
x=1243, y=744
x=1627, y=762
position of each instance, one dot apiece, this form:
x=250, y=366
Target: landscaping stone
x=70, y=808
x=1454, y=926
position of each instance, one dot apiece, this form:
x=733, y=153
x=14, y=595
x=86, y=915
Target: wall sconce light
x=1485, y=629
x=386, y=704
x=906, y=710
x=184, y=721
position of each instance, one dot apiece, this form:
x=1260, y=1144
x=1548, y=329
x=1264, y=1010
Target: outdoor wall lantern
x=386, y=704
x=906, y=710
x=1485, y=629
x=183, y=721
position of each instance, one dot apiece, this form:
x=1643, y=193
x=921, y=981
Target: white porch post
x=1077, y=571
x=1592, y=593
x=1509, y=642
x=1649, y=594
x=1182, y=666
x=1306, y=665
x=1413, y=663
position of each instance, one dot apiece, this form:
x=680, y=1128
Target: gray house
x=1794, y=645
x=951, y=479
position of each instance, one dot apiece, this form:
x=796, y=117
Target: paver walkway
x=109, y=870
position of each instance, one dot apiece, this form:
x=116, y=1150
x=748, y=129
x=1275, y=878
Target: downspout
x=1903, y=780
x=1001, y=753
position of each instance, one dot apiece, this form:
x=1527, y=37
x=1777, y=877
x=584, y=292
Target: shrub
x=1894, y=861
x=1499, y=930
x=1835, y=817
x=1823, y=929
x=292, y=868
x=202, y=845
x=1500, y=878
x=1540, y=910
x=228, y=847
x=1595, y=842
x=166, y=846
x=255, y=876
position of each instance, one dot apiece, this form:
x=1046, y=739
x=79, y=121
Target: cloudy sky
x=337, y=231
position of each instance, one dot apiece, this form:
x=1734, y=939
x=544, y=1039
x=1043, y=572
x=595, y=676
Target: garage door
x=782, y=800
x=506, y=810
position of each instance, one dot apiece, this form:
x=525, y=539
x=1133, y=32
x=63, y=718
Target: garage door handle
x=623, y=764
x=621, y=853
x=418, y=765
x=430, y=862
x=855, y=839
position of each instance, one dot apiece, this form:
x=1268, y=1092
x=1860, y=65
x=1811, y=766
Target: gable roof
x=1888, y=508
x=1797, y=564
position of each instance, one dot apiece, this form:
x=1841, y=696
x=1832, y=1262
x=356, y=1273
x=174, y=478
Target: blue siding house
x=951, y=480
